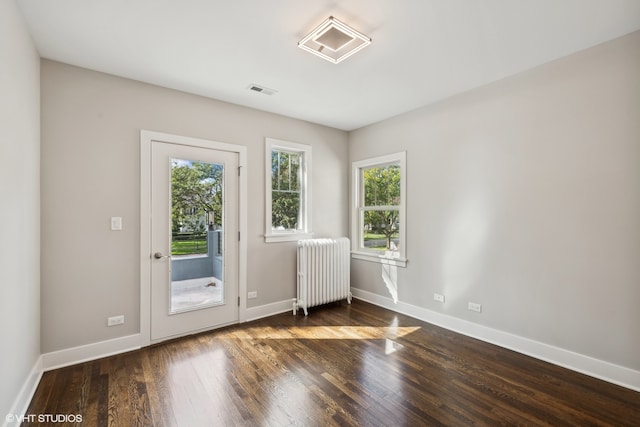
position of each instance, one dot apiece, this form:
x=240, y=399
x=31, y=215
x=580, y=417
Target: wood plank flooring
x=357, y=365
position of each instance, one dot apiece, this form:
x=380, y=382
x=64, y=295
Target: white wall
x=20, y=205
x=91, y=171
x=524, y=196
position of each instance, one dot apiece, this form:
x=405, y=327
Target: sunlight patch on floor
x=325, y=332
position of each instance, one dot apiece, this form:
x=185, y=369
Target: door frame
x=146, y=139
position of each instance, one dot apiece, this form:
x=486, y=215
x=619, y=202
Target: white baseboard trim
x=23, y=399
x=85, y=353
x=587, y=365
x=266, y=310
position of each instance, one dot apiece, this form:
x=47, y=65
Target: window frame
x=271, y=235
x=358, y=208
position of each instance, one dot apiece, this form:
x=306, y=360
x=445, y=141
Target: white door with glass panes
x=193, y=239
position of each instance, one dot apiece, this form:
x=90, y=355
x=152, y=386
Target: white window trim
x=270, y=235
x=357, y=186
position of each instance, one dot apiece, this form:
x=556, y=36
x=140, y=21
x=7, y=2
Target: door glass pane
x=196, y=235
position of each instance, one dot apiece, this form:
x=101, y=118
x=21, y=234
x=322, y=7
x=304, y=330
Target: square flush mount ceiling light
x=334, y=41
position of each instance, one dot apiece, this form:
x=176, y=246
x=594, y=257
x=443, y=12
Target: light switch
x=116, y=223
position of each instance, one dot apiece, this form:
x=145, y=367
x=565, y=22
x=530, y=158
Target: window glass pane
x=380, y=230
x=285, y=190
x=284, y=171
x=382, y=185
x=275, y=169
x=280, y=170
x=295, y=160
x=285, y=210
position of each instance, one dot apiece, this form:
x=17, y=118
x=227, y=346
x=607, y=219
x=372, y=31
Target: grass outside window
x=188, y=247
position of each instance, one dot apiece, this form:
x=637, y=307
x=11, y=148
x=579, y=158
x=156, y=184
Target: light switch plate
x=116, y=223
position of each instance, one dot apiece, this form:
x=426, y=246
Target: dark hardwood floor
x=357, y=365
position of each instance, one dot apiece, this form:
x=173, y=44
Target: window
x=378, y=215
x=288, y=194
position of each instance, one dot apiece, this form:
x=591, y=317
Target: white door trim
x=146, y=138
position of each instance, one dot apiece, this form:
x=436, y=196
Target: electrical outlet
x=115, y=320
x=475, y=307
x=438, y=297
x=252, y=295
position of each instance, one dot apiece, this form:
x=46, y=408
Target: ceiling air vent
x=261, y=89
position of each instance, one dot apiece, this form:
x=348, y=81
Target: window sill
x=286, y=237
x=380, y=259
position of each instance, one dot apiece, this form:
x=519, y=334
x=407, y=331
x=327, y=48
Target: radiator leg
x=349, y=298
x=295, y=306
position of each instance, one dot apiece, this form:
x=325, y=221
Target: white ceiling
x=422, y=50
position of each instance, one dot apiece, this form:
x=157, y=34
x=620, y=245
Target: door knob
x=158, y=255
